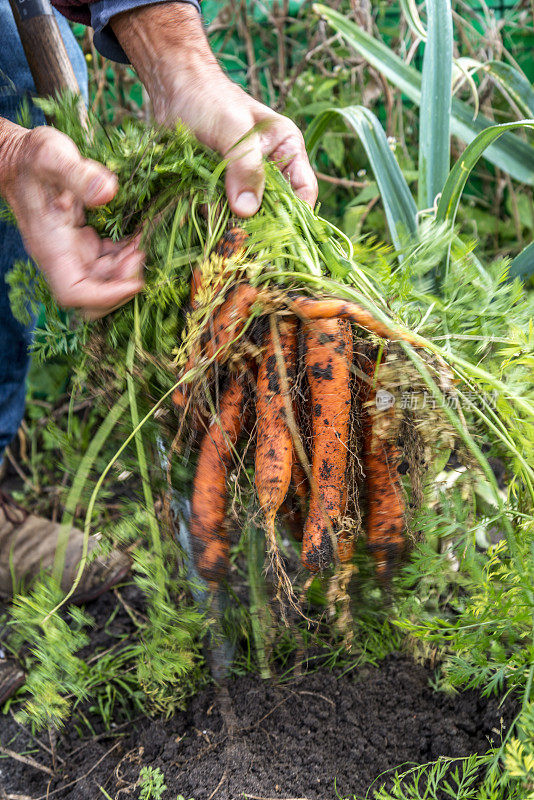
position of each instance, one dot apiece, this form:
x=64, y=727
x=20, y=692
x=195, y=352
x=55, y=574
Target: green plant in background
x=55, y=642
x=453, y=779
x=440, y=116
x=154, y=670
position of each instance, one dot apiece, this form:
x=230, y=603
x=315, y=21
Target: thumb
x=98, y=184
x=245, y=177
x=61, y=163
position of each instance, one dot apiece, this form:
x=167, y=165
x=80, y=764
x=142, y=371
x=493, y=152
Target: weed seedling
x=151, y=781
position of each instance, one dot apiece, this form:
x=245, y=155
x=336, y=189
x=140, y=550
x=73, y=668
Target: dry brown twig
x=28, y=760
x=218, y=786
x=345, y=183
x=260, y=797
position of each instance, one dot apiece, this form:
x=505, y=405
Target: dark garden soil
x=297, y=739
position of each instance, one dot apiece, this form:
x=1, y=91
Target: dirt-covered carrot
x=274, y=446
x=229, y=319
x=328, y=355
x=228, y=322
x=384, y=522
x=343, y=309
x=230, y=244
x=208, y=505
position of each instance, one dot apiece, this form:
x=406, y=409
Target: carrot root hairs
x=384, y=522
x=274, y=446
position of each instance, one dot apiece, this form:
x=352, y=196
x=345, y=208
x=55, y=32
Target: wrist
x=11, y=138
x=168, y=49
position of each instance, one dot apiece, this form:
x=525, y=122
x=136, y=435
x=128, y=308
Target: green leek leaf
x=434, y=125
x=510, y=153
x=399, y=205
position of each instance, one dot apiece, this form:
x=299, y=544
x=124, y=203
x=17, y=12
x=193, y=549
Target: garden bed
x=306, y=737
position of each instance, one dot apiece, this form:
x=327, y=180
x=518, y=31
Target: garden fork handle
x=44, y=48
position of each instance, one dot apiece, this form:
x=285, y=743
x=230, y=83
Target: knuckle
x=289, y=130
x=52, y=150
x=296, y=139
x=45, y=154
x=41, y=134
x=289, y=142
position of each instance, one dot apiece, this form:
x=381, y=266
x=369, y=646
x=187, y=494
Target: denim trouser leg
x=16, y=84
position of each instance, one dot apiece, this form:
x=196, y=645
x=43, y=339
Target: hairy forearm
x=167, y=47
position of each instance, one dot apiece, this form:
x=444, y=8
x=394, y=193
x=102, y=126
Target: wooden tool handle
x=43, y=46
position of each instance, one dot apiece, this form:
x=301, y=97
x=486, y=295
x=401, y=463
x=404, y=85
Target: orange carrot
x=208, y=505
x=229, y=319
x=196, y=283
x=342, y=309
x=274, y=446
x=227, y=323
x=381, y=457
x=328, y=354
x=230, y=244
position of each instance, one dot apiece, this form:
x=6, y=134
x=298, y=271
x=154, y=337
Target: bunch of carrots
x=294, y=339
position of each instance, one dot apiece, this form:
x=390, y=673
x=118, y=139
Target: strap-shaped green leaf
x=455, y=183
x=411, y=14
x=511, y=81
x=434, y=125
x=399, y=205
x=522, y=265
x=514, y=82
x=510, y=153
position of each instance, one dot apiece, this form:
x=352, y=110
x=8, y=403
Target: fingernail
x=95, y=186
x=246, y=204
x=98, y=184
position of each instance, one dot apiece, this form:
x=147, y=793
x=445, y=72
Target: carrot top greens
x=172, y=188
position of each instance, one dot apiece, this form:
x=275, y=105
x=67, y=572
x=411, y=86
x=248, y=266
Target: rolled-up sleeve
x=98, y=14
x=101, y=13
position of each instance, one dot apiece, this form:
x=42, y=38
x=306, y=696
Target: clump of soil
x=309, y=738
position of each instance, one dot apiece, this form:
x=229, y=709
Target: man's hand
x=48, y=185
x=167, y=47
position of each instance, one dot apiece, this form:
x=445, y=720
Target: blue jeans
x=16, y=84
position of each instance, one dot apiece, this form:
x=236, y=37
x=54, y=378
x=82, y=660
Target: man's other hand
x=167, y=47
x=49, y=185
